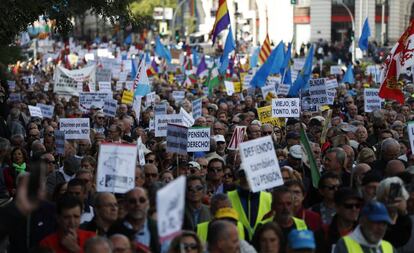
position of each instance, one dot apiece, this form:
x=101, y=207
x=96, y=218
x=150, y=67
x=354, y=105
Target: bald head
x=394, y=167
x=120, y=243
x=390, y=149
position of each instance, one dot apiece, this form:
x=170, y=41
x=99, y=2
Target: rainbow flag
x=265, y=50
x=153, y=69
x=222, y=19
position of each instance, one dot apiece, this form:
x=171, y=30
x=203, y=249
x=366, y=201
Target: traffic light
x=177, y=36
x=293, y=2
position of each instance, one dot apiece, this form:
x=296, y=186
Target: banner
x=88, y=99
x=178, y=95
x=116, y=167
x=317, y=91
x=177, y=139
x=150, y=99
x=265, y=116
x=109, y=108
x=237, y=137
x=197, y=108
x=35, y=112
x=160, y=109
x=75, y=128
x=198, y=139
x=47, y=110
x=66, y=81
x=260, y=163
x=330, y=96
x=331, y=83
x=336, y=70
x=285, y=107
x=372, y=101
x=170, y=208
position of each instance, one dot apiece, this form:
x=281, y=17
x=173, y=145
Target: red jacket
x=312, y=219
x=52, y=241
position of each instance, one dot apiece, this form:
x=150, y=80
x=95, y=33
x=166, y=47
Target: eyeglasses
x=196, y=188
x=352, y=205
x=267, y=133
x=190, y=246
x=215, y=170
x=331, y=187
x=151, y=175
x=228, y=175
x=140, y=200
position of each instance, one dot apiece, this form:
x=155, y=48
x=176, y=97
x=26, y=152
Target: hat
x=219, y=138
x=227, y=212
x=296, y=151
x=193, y=164
x=212, y=106
x=346, y=193
x=301, y=239
x=347, y=127
x=376, y=211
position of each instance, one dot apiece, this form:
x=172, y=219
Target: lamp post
x=383, y=23
x=175, y=15
x=353, y=29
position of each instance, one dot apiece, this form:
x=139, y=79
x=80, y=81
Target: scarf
x=19, y=168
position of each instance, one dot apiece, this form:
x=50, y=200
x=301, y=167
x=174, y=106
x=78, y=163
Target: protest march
x=146, y=146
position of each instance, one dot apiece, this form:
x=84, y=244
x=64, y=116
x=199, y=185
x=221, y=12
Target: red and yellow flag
x=265, y=50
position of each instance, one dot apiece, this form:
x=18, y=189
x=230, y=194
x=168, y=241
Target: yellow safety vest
x=299, y=224
x=202, y=230
x=353, y=247
x=265, y=202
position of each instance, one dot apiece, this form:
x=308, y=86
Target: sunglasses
x=189, y=246
x=332, y=187
x=352, y=205
x=267, y=133
x=196, y=188
x=140, y=200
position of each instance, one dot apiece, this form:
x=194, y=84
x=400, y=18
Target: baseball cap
x=376, y=211
x=219, y=138
x=346, y=193
x=301, y=239
x=226, y=212
x=195, y=165
x=296, y=151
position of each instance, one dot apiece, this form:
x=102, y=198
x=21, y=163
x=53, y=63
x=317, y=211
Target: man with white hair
x=390, y=150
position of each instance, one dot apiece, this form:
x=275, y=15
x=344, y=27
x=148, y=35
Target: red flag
x=398, y=61
x=237, y=137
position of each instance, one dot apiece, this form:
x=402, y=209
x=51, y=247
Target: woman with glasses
x=187, y=242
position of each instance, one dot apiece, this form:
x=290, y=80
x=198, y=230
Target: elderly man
x=368, y=235
x=390, y=150
x=335, y=160
x=223, y=237
x=137, y=226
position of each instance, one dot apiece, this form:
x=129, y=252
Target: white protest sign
x=268, y=89
x=188, y=120
x=317, y=91
x=161, y=122
x=116, y=167
x=119, y=85
x=35, y=111
x=150, y=99
x=285, y=107
x=260, y=163
x=336, y=70
x=177, y=139
x=229, y=87
x=273, y=80
x=75, y=128
x=178, y=95
x=283, y=89
x=237, y=137
x=66, y=81
x=105, y=86
x=298, y=63
x=197, y=108
x=198, y=139
x=11, y=84
x=141, y=154
x=246, y=81
x=170, y=208
x=87, y=99
x=47, y=110
x=103, y=75
x=15, y=97
x=410, y=129
x=371, y=99
x=160, y=109
x=331, y=83
x=60, y=142
x=330, y=95
x=136, y=106
x=110, y=106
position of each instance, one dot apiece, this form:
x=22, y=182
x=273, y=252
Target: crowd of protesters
x=364, y=201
